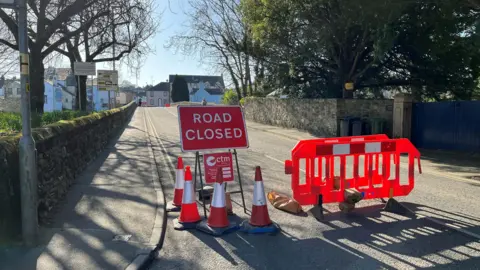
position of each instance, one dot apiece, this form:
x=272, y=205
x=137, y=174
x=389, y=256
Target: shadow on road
x=94, y=211
x=367, y=239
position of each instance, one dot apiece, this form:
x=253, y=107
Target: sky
x=166, y=61
x=163, y=61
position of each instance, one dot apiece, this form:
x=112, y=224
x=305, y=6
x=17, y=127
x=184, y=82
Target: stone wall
x=317, y=116
x=64, y=149
x=9, y=104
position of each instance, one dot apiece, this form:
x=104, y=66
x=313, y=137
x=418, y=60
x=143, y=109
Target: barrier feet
x=394, y=206
x=317, y=210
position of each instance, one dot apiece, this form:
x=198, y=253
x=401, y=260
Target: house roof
x=163, y=86
x=211, y=91
x=212, y=80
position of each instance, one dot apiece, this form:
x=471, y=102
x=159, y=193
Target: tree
x=310, y=49
x=322, y=44
x=46, y=21
x=217, y=31
x=123, y=34
x=180, y=89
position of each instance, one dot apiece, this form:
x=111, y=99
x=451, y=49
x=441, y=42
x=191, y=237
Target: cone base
x=171, y=207
x=182, y=226
x=205, y=228
x=260, y=217
x=246, y=227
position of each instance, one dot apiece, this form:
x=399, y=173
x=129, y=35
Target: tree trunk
x=37, y=84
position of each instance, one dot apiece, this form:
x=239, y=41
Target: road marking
x=164, y=149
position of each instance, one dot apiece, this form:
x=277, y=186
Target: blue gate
x=449, y=125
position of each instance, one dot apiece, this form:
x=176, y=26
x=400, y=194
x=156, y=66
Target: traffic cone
x=217, y=222
x=189, y=215
x=176, y=204
x=260, y=220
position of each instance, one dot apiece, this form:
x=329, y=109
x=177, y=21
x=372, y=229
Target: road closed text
x=209, y=133
x=213, y=134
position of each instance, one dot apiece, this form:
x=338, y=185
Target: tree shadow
x=113, y=197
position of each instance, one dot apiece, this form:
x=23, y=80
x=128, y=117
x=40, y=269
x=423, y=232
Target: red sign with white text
x=214, y=161
x=212, y=127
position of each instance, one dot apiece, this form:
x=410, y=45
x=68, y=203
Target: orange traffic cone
x=218, y=207
x=176, y=204
x=260, y=220
x=217, y=222
x=189, y=215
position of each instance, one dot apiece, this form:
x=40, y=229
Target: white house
x=159, y=95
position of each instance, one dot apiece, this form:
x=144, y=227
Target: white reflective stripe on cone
x=218, y=195
x=179, y=179
x=188, y=195
x=259, y=198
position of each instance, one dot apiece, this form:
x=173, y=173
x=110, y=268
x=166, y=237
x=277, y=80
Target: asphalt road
x=366, y=239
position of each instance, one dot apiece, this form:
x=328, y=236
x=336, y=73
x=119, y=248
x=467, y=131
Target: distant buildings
x=210, y=88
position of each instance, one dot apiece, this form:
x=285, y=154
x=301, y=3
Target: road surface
x=365, y=239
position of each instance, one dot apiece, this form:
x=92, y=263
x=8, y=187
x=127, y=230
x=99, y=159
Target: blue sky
x=166, y=61
x=163, y=61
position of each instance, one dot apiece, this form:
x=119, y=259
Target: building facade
x=159, y=95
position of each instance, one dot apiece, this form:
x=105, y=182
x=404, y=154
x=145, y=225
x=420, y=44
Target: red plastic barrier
x=167, y=105
x=371, y=154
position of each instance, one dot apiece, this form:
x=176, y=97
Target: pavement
x=112, y=217
x=368, y=238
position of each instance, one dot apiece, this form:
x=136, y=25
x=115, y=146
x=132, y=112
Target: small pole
x=79, y=93
x=27, y=151
x=240, y=181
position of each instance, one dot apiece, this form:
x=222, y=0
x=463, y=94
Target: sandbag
x=346, y=207
x=283, y=202
x=352, y=195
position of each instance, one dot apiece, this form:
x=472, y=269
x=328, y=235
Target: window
x=45, y=99
x=18, y=91
x=151, y=93
x=151, y=101
x=165, y=94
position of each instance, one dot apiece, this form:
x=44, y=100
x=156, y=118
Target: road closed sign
x=212, y=127
x=212, y=162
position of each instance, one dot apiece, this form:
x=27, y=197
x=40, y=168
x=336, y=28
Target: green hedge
x=12, y=122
